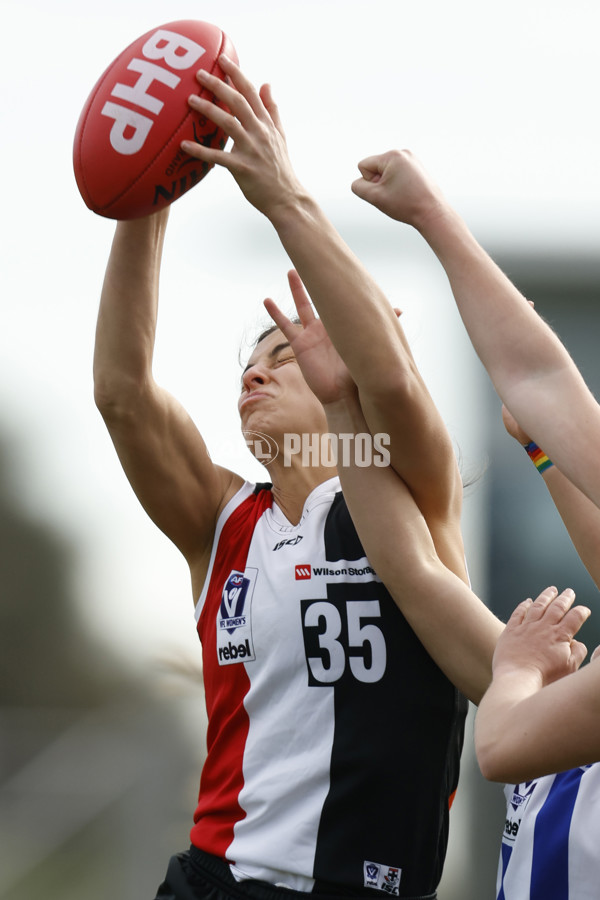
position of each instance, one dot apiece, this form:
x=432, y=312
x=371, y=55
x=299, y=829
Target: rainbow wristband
x=538, y=457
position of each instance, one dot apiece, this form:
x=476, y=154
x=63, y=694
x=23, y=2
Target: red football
x=126, y=154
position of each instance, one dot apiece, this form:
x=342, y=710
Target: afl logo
x=261, y=446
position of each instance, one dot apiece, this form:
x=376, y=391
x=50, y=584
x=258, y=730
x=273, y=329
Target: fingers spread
x=302, y=302
x=244, y=87
x=266, y=97
x=285, y=325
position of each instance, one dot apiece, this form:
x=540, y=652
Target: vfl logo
x=289, y=542
x=234, y=616
x=519, y=801
x=232, y=602
x=303, y=573
x=371, y=875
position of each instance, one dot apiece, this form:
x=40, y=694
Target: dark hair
x=267, y=331
x=254, y=342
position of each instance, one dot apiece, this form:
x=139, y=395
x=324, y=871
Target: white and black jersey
x=334, y=740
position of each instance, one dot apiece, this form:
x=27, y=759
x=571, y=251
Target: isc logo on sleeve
x=234, y=619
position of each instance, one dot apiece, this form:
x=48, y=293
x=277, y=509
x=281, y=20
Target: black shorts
x=195, y=875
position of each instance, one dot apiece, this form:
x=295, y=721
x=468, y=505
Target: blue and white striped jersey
x=551, y=842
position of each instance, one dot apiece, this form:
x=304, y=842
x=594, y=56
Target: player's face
x=274, y=396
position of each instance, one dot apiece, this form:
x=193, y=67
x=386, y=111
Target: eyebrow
x=272, y=354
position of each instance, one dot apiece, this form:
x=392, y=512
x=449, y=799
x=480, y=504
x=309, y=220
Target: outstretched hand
x=539, y=637
x=324, y=370
x=258, y=159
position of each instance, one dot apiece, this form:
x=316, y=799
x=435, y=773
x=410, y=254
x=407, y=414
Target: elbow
x=492, y=767
x=399, y=386
x=498, y=758
x=116, y=397
x=107, y=394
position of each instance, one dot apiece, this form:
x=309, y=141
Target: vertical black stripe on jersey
x=396, y=751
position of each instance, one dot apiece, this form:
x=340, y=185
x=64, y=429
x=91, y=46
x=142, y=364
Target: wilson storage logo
x=234, y=618
x=342, y=572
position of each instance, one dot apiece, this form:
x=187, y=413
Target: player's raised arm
x=530, y=368
x=456, y=628
x=160, y=448
x=358, y=317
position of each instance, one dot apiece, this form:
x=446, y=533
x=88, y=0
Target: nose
x=254, y=376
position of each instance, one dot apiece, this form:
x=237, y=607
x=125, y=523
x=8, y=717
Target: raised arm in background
x=529, y=366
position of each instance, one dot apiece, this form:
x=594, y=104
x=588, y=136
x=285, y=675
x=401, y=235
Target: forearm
x=126, y=324
x=455, y=627
x=513, y=342
x=530, y=368
x=580, y=516
x=358, y=317
x=500, y=725
x=365, y=330
x=524, y=730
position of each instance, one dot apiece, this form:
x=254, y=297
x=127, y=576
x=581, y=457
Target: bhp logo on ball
x=131, y=128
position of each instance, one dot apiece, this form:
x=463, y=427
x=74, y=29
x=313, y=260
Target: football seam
x=188, y=115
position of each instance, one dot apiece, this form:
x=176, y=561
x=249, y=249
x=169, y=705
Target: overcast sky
x=500, y=101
